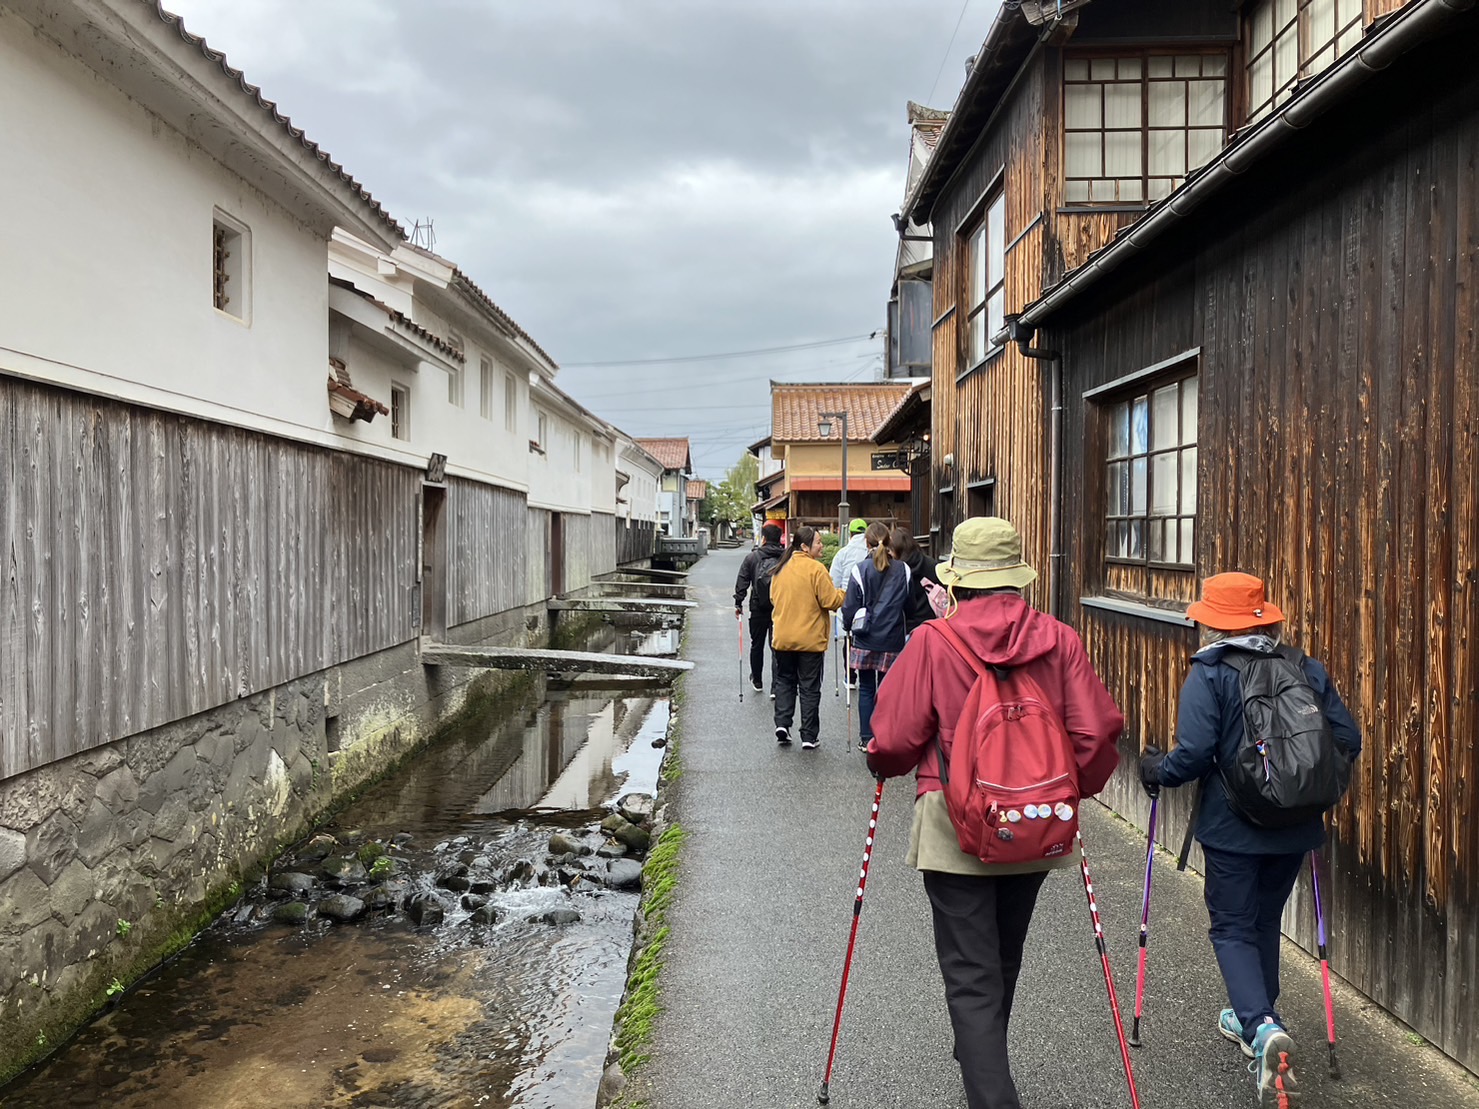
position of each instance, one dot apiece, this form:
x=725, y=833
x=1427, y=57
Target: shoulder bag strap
x=958, y=645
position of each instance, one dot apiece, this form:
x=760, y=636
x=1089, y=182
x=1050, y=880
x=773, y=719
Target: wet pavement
x=380, y=1012
x=761, y=915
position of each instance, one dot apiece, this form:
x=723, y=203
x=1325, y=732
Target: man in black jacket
x=759, y=560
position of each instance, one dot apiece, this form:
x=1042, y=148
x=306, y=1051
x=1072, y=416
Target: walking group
x=995, y=709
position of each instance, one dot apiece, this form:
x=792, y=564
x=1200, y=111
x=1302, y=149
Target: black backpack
x=760, y=587
x=1289, y=769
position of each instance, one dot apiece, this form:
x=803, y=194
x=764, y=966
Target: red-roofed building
x=672, y=497
x=811, y=488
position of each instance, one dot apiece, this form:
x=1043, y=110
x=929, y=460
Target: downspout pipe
x=1022, y=335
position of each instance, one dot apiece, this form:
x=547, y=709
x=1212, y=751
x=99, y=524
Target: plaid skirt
x=859, y=659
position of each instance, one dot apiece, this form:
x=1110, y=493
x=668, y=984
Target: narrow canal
x=507, y=1001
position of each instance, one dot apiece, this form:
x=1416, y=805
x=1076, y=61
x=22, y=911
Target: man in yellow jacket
x=802, y=592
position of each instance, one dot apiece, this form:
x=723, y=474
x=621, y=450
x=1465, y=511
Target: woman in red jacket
x=981, y=913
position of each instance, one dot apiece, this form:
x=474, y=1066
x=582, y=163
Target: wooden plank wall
x=992, y=421
x=578, y=539
x=602, y=545
x=635, y=543
x=1336, y=308
x=487, y=572
x=156, y=566
x=536, y=537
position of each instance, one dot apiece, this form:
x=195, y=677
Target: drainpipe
x=1022, y=335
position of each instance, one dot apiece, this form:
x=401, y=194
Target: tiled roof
x=254, y=92
x=795, y=409
x=672, y=453
x=499, y=314
x=400, y=319
x=698, y=490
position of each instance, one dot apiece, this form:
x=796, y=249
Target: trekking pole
x=1144, y=922
x=739, y=624
x=857, y=911
x=836, y=647
x=1114, y=1004
x=1324, y=962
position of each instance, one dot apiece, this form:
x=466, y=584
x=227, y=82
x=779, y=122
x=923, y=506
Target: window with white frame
x=985, y=246
x=1151, y=476
x=1135, y=125
x=510, y=404
x=485, y=388
x=1287, y=41
x=400, y=412
x=455, y=383
x=231, y=266
x=541, y=424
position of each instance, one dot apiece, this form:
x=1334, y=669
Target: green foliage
x=635, y=1017
x=830, y=546
x=383, y=867
x=115, y=988
x=124, y=928
x=729, y=501
x=370, y=853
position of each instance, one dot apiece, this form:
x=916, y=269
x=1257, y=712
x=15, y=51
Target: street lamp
x=824, y=425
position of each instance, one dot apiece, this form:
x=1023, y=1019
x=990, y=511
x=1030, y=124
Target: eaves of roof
x=468, y=285
x=404, y=322
x=907, y=411
x=1256, y=146
x=269, y=108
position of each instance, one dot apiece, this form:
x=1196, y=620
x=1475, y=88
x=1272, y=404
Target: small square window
x=231, y=266
x=400, y=412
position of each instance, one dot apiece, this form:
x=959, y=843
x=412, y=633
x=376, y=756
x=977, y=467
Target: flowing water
x=381, y=1012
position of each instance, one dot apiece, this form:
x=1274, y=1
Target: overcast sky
x=633, y=179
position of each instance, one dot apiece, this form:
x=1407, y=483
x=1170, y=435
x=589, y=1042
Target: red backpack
x=1012, y=781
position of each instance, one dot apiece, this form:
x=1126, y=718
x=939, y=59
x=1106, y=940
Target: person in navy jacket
x=1250, y=870
x=875, y=613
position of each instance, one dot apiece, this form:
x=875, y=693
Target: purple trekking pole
x=1324, y=962
x=1155, y=803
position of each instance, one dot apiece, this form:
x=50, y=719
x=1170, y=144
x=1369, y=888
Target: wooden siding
x=157, y=566
x=602, y=545
x=635, y=542
x=537, y=555
x=1335, y=303
x=992, y=420
x=486, y=570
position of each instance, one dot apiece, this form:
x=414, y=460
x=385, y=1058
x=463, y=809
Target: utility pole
x=824, y=425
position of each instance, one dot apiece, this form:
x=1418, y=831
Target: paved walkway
x=764, y=902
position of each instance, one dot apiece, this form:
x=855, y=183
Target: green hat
x=857, y=526
x=986, y=553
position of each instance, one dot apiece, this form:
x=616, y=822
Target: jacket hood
x=1004, y=630
x=771, y=548
x=1212, y=654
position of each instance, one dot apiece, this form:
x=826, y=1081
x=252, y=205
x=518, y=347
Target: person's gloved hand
x=1150, y=770
x=738, y=612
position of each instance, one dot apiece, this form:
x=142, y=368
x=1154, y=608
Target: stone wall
x=113, y=859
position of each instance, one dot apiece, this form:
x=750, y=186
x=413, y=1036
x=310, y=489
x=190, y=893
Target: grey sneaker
x=783, y=736
x=1273, y=1067
x=1232, y=1029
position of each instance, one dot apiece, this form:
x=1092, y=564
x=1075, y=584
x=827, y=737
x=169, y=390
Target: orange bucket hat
x=1232, y=602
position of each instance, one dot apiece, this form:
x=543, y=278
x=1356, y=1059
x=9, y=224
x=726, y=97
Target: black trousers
x=980, y=930
x=799, y=673
x=760, y=623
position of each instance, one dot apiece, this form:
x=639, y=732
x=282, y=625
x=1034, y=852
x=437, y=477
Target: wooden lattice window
x=1288, y=41
x=400, y=412
x=1151, y=476
x=1135, y=125
x=986, y=267
x=230, y=261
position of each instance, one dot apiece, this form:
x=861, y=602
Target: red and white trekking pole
x=1324, y=962
x=1144, y=923
x=857, y=911
x=1114, y=1004
x=739, y=624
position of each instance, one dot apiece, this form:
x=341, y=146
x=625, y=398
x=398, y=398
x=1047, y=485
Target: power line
x=726, y=354
x=928, y=99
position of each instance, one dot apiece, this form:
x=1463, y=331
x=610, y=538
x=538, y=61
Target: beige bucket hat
x=986, y=553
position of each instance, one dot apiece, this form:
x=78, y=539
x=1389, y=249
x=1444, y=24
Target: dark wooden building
x=1266, y=362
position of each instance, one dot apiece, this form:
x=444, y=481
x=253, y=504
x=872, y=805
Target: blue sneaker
x=1273, y=1067
x=1232, y=1029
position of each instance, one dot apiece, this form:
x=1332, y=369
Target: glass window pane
x=1204, y=103
x=1111, y=538
x=1137, y=538
x=1320, y=15
x=1137, y=486
x=1101, y=69
x=1113, y=488
x=1263, y=25
x=1122, y=154
x=1286, y=59
x=977, y=338
x=1121, y=540
x=1077, y=192
x=1189, y=480
x=1132, y=190
x=1119, y=431
x=1349, y=37
x=1189, y=410
x=1076, y=69
x=1102, y=191
x=1122, y=489
x=1165, y=469
x=1082, y=151
x=978, y=267
x=1122, y=105
x=1284, y=13
x=1129, y=69
x=1202, y=147
x=1082, y=106
x=994, y=308
x=1161, y=66
x=1168, y=153
x=1160, y=188
x=1214, y=65
x=1168, y=104
x=1165, y=417
x=1139, y=426
x=1261, y=79
x=1188, y=541
x=1157, y=540
x=996, y=243
x=1188, y=65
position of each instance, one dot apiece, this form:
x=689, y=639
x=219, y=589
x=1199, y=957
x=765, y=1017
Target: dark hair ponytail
x=877, y=540
x=801, y=537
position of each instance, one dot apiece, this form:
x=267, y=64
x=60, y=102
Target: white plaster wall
x=108, y=216
x=555, y=482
